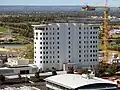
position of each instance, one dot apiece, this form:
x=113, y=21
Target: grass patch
x=4, y=30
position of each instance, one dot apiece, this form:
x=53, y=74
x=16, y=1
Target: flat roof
x=73, y=81
x=43, y=25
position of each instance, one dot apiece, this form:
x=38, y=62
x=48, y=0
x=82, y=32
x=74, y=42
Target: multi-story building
x=58, y=43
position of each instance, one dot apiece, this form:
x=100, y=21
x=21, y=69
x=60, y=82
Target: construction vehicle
x=105, y=27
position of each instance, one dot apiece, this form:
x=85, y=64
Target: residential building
x=59, y=43
x=18, y=61
x=21, y=88
x=78, y=82
x=24, y=69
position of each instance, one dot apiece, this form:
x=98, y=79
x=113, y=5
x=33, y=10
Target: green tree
x=2, y=79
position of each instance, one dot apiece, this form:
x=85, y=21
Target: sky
x=59, y=2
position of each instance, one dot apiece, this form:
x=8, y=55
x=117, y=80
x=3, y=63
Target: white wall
x=85, y=42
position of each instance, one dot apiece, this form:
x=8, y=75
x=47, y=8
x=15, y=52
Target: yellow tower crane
x=105, y=27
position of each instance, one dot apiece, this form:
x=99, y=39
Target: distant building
x=59, y=43
x=78, y=82
x=21, y=88
x=28, y=69
x=17, y=61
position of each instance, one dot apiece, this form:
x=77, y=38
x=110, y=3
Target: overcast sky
x=59, y=2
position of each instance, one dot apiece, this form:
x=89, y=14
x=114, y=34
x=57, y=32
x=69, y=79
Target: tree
x=37, y=74
x=2, y=79
x=54, y=71
x=19, y=76
x=70, y=70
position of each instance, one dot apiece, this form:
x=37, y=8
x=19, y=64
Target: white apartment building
x=59, y=43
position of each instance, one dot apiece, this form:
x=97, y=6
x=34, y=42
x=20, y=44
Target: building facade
x=58, y=43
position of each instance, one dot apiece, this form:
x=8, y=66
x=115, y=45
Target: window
x=79, y=37
x=69, y=28
x=36, y=33
x=79, y=51
x=46, y=38
x=46, y=28
x=68, y=33
x=68, y=37
x=79, y=28
x=90, y=32
x=40, y=42
x=57, y=51
x=35, y=42
x=43, y=38
x=57, y=37
x=46, y=52
x=43, y=61
x=46, y=42
x=50, y=61
x=57, y=42
x=53, y=43
x=50, y=57
x=80, y=60
x=53, y=61
x=69, y=61
x=46, y=61
x=79, y=55
x=84, y=32
x=57, y=33
x=40, y=52
x=58, y=47
x=53, y=38
x=68, y=51
x=43, y=52
x=90, y=27
x=96, y=27
x=35, y=56
x=40, y=47
x=79, y=42
x=43, y=47
x=58, y=61
x=43, y=43
x=50, y=33
x=40, y=57
x=69, y=42
x=46, y=33
x=69, y=56
x=43, y=33
x=57, y=28
x=79, y=32
x=36, y=38
x=57, y=56
x=53, y=33
x=40, y=61
x=53, y=52
x=46, y=47
x=50, y=38
x=90, y=50
x=69, y=47
x=40, y=33
x=43, y=57
x=79, y=46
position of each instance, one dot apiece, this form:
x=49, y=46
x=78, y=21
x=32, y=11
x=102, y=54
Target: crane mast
x=105, y=35
x=105, y=28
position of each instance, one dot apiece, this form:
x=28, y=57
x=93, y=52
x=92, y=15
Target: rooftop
x=73, y=81
x=21, y=88
x=43, y=25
